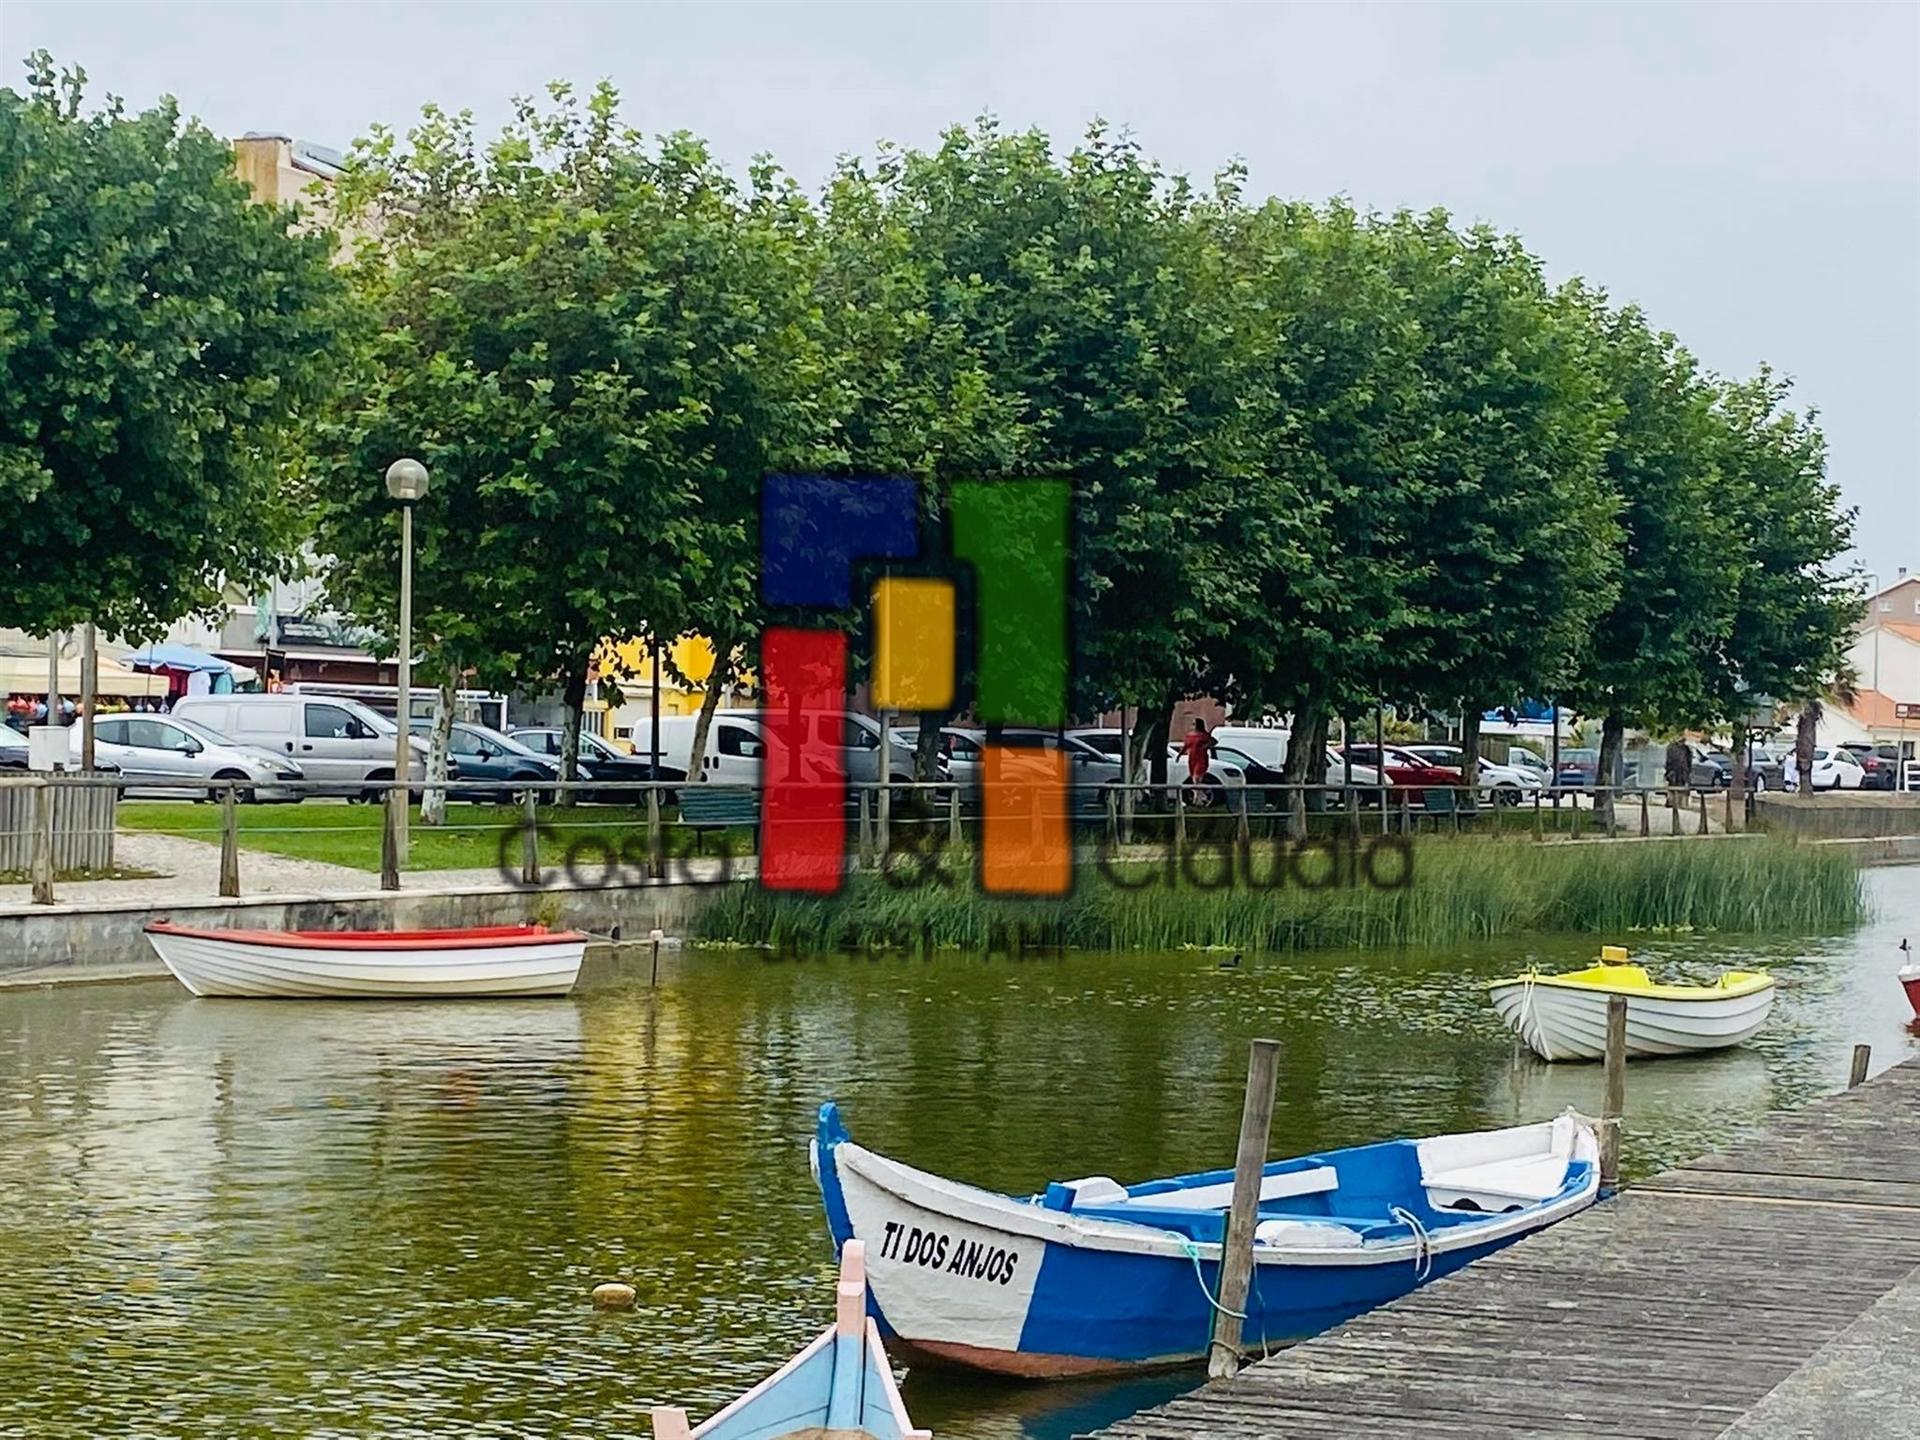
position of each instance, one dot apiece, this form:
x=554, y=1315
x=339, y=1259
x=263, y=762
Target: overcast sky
x=1750, y=174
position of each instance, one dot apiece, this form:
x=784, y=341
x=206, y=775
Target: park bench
x=717, y=807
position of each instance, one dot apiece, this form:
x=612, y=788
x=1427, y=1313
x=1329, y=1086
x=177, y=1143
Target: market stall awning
x=176, y=657
x=27, y=675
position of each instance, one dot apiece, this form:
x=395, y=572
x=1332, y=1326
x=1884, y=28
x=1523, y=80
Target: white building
x=1885, y=656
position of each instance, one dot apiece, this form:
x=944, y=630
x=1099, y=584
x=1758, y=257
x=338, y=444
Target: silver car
x=164, y=755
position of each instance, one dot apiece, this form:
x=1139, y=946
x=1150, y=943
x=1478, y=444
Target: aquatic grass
x=1458, y=891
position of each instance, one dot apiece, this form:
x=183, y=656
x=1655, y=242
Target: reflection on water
x=370, y=1219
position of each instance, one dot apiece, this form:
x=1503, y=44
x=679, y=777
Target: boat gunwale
x=1756, y=982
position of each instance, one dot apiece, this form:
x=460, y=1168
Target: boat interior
x=1346, y=1198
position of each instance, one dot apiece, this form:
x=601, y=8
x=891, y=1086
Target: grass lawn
x=341, y=834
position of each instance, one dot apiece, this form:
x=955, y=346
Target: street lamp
x=406, y=483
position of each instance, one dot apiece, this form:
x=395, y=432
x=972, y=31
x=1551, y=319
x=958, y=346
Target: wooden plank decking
x=1671, y=1310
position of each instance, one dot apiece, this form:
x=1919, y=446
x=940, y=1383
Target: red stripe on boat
x=481, y=937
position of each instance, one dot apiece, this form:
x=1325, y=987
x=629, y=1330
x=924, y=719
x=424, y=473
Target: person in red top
x=1199, y=746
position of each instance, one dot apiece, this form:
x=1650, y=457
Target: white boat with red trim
x=501, y=961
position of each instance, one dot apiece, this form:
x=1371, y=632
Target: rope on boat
x=1200, y=1279
x=1422, y=1242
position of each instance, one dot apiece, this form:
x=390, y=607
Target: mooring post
x=1857, y=1076
x=1646, y=817
x=654, y=937
x=1236, y=1254
x=1615, y=1103
x=390, y=840
x=40, y=865
x=229, y=846
x=656, y=839
x=529, y=838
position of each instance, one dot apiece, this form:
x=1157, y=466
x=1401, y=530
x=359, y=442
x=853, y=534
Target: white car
x=1501, y=784
x=1833, y=769
x=168, y=756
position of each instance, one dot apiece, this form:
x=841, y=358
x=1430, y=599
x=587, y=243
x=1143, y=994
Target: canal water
x=228, y=1218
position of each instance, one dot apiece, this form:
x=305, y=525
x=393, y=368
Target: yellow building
x=629, y=665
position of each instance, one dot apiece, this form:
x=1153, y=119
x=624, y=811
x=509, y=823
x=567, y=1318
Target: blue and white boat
x=840, y=1385
x=1092, y=1277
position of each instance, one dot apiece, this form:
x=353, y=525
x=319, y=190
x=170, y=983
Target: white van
x=1264, y=743
x=737, y=743
x=339, y=743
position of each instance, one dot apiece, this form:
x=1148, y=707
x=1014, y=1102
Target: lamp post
x=406, y=483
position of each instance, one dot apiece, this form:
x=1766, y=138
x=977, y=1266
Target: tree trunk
x=575, y=699
x=1806, y=730
x=716, y=686
x=1613, y=734
x=926, y=748
x=1470, y=750
x=1158, y=729
x=1305, y=764
x=433, y=803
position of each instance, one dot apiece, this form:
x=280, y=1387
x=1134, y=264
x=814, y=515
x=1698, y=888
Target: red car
x=1403, y=767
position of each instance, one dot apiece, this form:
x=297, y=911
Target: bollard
x=1646, y=817
x=1236, y=1253
x=41, y=863
x=529, y=838
x=390, y=841
x=656, y=841
x=1857, y=1076
x=229, y=846
x=953, y=816
x=1615, y=1103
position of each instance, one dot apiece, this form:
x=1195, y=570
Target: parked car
x=1403, y=767
x=1834, y=768
x=171, y=756
x=475, y=752
x=962, y=752
x=1521, y=758
x=1879, y=763
x=13, y=749
x=339, y=744
x=1501, y=784
x=1766, y=768
x=1577, y=769
x=599, y=762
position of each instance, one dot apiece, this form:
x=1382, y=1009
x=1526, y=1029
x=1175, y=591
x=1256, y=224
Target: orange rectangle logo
x=1026, y=843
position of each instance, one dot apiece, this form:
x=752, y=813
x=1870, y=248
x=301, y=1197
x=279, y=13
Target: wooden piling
x=1236, y=1256
x=390, y=840
x=229, y=845
x=1857, y=1075
x=530, y=838
x=40, y=865
x=1615, y=1102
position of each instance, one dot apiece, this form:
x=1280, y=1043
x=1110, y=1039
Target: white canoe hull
x=207, y=965
x=1569, y=1022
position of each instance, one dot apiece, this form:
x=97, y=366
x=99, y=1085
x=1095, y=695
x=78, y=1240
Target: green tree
x=159, y=335
x=591, y=341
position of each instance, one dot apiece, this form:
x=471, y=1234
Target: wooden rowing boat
x=1564, y=1017
x=841, y=1385
x=489, y=960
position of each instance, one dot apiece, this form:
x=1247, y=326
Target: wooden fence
x=83, y=819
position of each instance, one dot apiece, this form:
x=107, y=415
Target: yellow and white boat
x=1564, y=1017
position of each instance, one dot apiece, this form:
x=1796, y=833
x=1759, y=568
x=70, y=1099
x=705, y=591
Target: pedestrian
x=1199, y=747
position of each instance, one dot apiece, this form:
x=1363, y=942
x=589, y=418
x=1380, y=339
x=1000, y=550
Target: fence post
x=41, y=864
x=1615, y=1103
x=229, y=846
x=1353, y=814
x=1539, y=816
x=1675, y=799
x=529, y=838
x=863, y=851
x=1406, y=813
x=656, y=839
x=1179, y=822
x=1236, y=1253
x=1573, y=822
x=883, y=821
x=1857, y=1076
x=1646, y=818
x=1113, y=819
x=953, y=816
x=390, y=842
x=1243, y=825
x=1703, y=812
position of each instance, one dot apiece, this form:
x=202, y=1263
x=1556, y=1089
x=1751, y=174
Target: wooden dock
x=1769, y=1291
